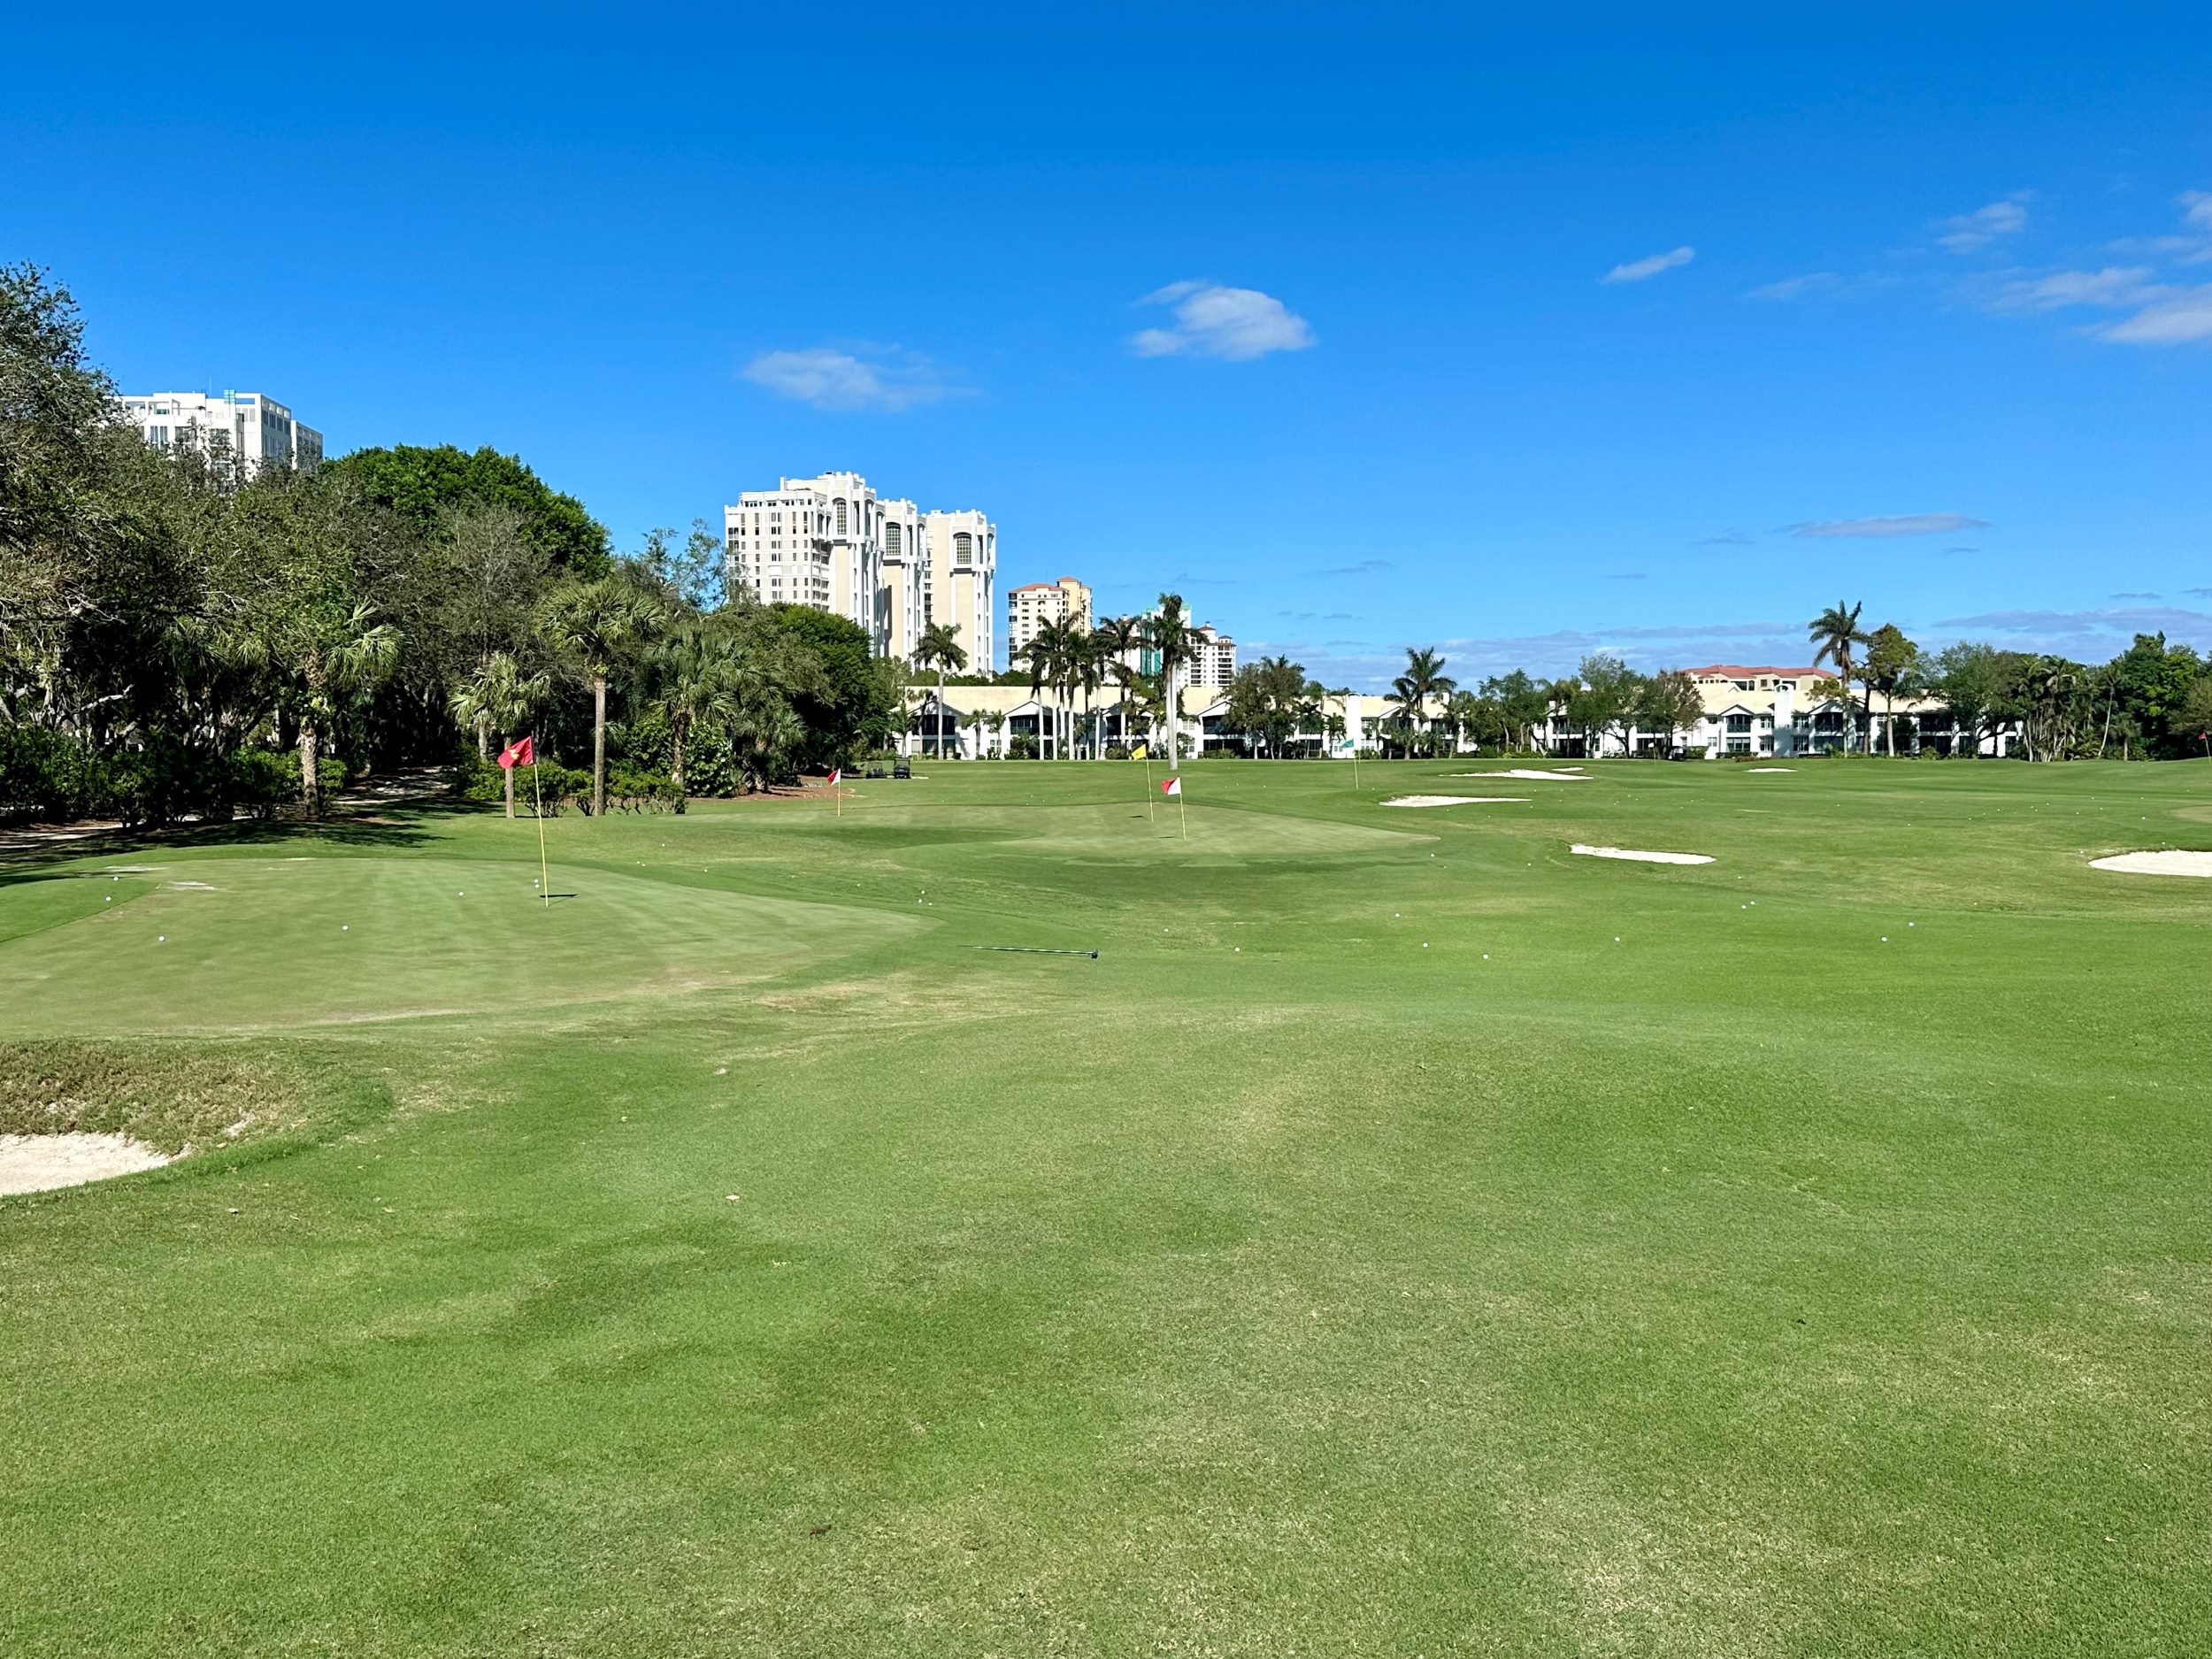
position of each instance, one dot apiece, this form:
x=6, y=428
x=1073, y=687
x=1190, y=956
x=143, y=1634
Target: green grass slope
x=1405, y=1237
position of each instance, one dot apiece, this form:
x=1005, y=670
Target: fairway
x=1407, y=1236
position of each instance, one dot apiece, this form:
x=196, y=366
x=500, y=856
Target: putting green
x=237, y=943
x=1400, y=1239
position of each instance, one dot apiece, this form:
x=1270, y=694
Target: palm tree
x=500, y=697
x=939, y=647
x=1168, y=631
x=1118, y=639
x=1424, y=678
x=335, y=657
x=1086, y=666
x=698, y=670
x=1837, y=633
x=595, y=624
x=1038, y=654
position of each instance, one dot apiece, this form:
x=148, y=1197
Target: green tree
x=2149, y=685
x=1892, y=663
x=1836, y=632
x=425, y=486
x=500, y=697
x=940, y=647
x=1601, y=698
x=1411, y=691
x=1522, y=705
x=850, y=699
x=594, y=626
x=1981, y=686
x=1669, y=702
x=1169, y=633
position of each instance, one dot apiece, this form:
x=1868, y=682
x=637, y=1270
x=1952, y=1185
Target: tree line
x=184, y=635
x=2153, y=700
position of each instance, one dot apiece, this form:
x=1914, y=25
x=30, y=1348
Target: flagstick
x=1182, y=814
x=1150, y=810
x=537, y=801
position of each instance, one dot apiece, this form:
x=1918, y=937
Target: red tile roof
x=1739, y=671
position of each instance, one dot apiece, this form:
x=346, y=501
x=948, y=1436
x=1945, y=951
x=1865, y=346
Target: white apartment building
x=962, y=585
x=1213, y=657
x=1032, y=605
x=905, y=580
x=831, y=542
x=247, y=426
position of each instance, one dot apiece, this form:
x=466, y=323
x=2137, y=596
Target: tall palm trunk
x=599, y=746
x=940, y=706
x=1174, y=748
x=676, y=762
x=311, y=769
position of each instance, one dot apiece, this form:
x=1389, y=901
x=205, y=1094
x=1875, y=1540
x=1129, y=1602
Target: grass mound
x=170, y=1097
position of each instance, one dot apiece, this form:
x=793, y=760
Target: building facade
x=831, y=542
x=1213, y=657
x=962, y=582
x=1030, y=607
x=249, y=427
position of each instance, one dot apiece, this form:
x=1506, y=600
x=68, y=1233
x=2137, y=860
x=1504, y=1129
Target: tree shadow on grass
x=31, y=854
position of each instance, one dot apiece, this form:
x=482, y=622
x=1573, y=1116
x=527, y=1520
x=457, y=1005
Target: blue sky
x=1362, y=326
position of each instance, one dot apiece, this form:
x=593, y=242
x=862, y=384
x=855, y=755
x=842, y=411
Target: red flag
x=518, y=753
x=1170, y=786
x=835, y=775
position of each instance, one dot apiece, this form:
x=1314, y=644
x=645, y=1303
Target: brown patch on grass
x=169, y=1096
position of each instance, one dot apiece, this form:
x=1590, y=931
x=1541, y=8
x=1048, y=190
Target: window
x=1745, y=684
x=841, y=518
x=1740, y=723
x=891, y=538
x=963, y=548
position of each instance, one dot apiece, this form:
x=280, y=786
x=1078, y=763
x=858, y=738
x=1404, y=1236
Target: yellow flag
x=1138, y=753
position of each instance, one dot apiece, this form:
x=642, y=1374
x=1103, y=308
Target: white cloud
x=2115, y=285
x=2088, y=636
x=831, y=379
x=1906, y=524
x=1234, y=325
x=1978, y=229
x=1797, y=288
x=2183, y=317
x=1651, y=266
x=2196, y=208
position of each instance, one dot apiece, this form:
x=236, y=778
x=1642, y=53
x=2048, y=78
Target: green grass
x=1404, y=1237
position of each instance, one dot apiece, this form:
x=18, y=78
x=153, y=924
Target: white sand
x=1642, y=858
x=1451, y=800
x=1524, y=771
x=2173, y=862
x=38, y=1163
x=1770, y=769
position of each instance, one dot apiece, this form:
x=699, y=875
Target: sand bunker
x=1452, y=800
x=38, y=1163
x=2171, y=863
x=1524, y=771
x=1770, y=769
x=1642, y=858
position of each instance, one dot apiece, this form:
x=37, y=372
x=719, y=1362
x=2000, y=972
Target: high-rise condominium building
x=1213, y=656
x=1033, y=604
x=962, y=585
x=246, y=426
x=830, y=542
